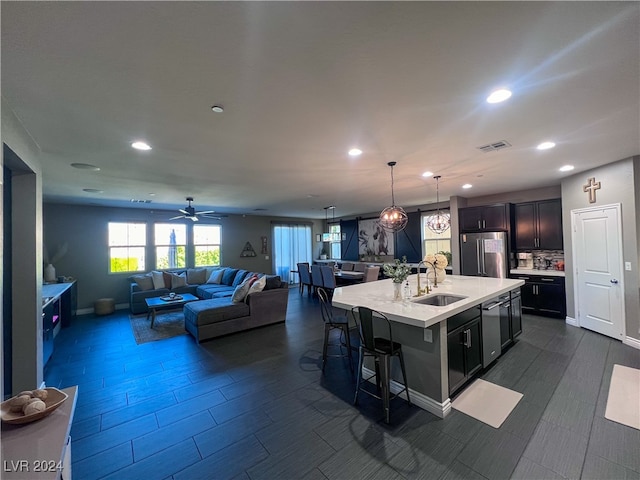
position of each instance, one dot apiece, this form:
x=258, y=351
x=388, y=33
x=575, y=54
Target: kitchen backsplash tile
x=548, y=259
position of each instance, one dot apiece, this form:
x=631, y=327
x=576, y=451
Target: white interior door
x=597, y=247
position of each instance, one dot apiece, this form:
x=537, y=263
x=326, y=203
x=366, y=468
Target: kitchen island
x=422, y=329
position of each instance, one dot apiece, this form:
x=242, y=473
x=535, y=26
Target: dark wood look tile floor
x=255, y=405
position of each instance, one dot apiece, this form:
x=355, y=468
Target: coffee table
x=157, y=303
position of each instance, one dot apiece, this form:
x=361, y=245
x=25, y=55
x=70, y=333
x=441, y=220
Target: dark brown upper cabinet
x=486, y=218
x=539, y=225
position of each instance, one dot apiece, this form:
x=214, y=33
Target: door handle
x=479, y=224
x=484, y=224
x=614, y=281
x=467, y=338
x=493, y=305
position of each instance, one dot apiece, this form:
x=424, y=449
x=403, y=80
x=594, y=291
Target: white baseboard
x=632, y=342
x=419, y=399
x=572, y=321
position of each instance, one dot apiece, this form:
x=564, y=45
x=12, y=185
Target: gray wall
x=26, y=256
x=84, y=230
x=620, y=183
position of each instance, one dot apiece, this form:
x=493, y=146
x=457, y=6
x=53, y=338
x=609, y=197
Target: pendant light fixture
x=440, y=222
x=327, y=236
x=393, y=218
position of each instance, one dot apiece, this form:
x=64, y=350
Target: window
x=335, y=245
x=291, y=245
x=127, y=245
x=434, y=243
x=206, y=241
x=170, y=241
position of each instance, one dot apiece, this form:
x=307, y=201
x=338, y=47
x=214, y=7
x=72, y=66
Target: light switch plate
x=428, y=335
x=266, y=257
x=627, y=266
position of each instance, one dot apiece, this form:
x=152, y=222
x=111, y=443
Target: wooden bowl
x=55, y=398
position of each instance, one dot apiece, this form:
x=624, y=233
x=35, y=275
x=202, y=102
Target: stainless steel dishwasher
x=491, y=344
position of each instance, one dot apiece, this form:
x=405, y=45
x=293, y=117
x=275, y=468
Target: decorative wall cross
x=591, y=187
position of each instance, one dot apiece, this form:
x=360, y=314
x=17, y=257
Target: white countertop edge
x=540, y=273
x=377, y=295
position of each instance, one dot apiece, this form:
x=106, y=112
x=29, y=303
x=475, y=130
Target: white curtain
x=292, y=245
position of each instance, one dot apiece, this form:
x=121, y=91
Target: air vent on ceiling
x=492, y=147
x=133, y=200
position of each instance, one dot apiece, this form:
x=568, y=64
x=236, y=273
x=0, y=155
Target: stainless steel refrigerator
x=484, y=254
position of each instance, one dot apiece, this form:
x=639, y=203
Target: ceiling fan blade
x=175, y=218
x=204, y=212
x=193, y=218
x=216, y=217
x=183, y=211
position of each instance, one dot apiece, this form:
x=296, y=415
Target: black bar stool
x=331, y=322
x=381, y=349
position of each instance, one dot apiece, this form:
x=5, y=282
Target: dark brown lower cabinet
x=543, y=295
x=464, y=345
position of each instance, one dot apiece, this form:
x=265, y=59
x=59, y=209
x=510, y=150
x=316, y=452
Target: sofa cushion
x=205, y=312
x=144, y=282
x=210, y=290
x=216, y=276
x=196, y=276
x=158, y=279
x=239, y=278
x=273, y=281
x=178, y=280
x=229, y=275
x=167, y=279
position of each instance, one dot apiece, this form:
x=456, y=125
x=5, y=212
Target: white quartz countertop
x=379, y=296
x=541, y=273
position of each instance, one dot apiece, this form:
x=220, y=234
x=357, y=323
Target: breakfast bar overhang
x=422, y=328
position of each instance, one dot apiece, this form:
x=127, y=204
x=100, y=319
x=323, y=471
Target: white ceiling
x=302, y=82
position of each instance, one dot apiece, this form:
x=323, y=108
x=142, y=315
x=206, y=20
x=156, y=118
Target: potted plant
x=398, y=271
x=323, y=253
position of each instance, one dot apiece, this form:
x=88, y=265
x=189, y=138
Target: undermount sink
x=439, y=300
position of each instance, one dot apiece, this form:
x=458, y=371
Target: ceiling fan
x=190, y=212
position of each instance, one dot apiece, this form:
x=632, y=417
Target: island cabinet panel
x=538, y=225
x=464, y=347
x=488, y=218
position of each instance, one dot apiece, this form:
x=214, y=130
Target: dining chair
x=316, y=278
x=334, y=322
x=371, y=274
x=328, y=279
x=359, y=267
x=305, y=277
x=382, y=349
x=347, y=266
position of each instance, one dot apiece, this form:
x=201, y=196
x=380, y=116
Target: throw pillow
x=258, y=285
x=241, y=291
x=216, y=276
x=167, y=279
x=158, y=279
x=273, y=281
x=196, y=276
x=239, y=278
x=229, y=275
x=144, y=282
x=178, y=280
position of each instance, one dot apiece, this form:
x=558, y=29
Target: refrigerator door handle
x=482, y=255
x=479, y=255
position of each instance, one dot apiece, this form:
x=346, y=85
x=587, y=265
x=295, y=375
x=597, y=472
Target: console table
x=41, y=449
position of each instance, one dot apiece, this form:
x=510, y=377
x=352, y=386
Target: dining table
x=344, y=277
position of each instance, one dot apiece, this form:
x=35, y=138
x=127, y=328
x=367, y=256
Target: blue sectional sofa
x=217, y=313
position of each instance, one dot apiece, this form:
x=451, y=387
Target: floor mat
x=623, y=402
x=166, y=325
x=487, y=402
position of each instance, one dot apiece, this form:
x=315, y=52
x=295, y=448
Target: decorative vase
x=49, y=273
x=397, y=291
x=440, y=275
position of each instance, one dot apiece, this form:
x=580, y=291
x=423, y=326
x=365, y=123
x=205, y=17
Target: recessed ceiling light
x=85, y=166
x=354, y=152
x=139, y=145
x=499, y=95
x=151, y=194
x=217, y=108
x=427, y=174
x=92, y=190
x=566, y=168
x=467, y=185
x=546, y=145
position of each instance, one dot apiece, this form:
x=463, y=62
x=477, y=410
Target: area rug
x=487, y=402
x=623, y=402
x=167, y=325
